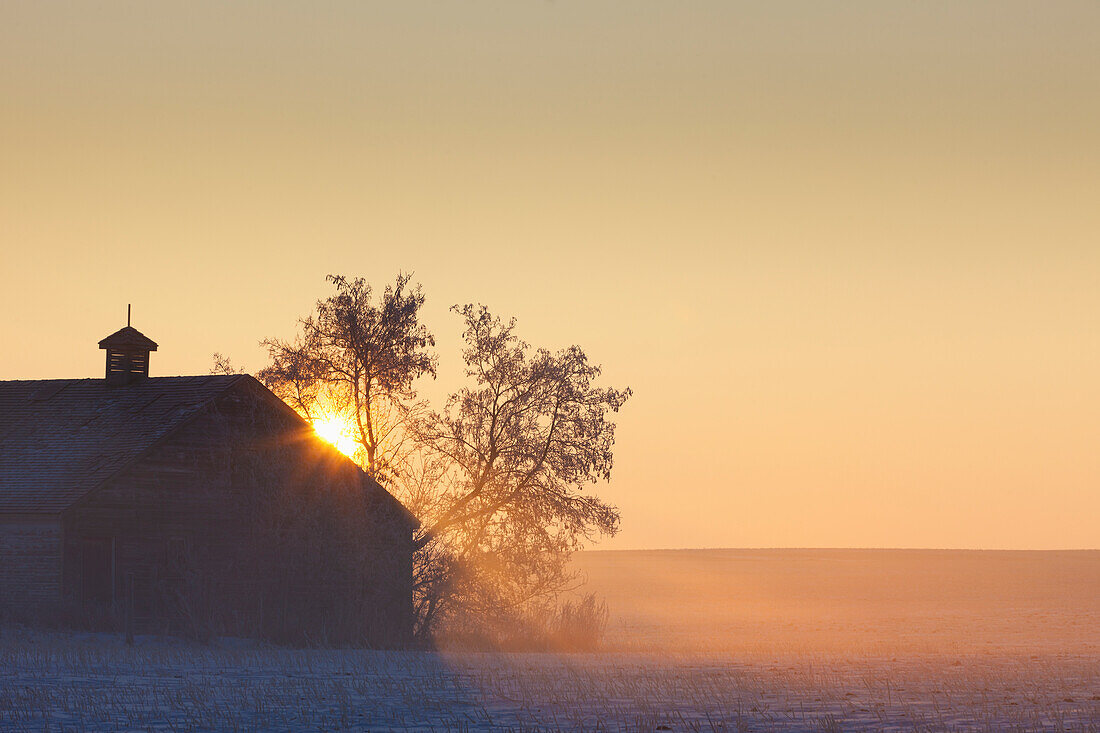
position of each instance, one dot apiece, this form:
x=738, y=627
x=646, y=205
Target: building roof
x=128, y=337
x=61, y=438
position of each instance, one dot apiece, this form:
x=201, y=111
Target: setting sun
x=337, y=431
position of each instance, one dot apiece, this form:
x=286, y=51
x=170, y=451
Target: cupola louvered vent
x=127, y=355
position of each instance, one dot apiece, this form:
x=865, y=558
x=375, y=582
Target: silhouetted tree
x=223, y=365
x=359, y=358
x=497, y=478
x=503, y=500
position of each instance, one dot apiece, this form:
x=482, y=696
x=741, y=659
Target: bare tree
x=498, y=477
x=513, y=455
x=358, y=357
x=224, y=365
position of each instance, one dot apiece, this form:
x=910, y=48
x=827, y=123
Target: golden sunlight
x=339, y=432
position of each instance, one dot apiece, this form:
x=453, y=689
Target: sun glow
x=337, y=431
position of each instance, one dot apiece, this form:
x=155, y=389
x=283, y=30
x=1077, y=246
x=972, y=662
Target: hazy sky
x=846, y=254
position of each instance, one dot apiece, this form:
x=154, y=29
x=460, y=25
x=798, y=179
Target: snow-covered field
x=65, y=682
x=713, y=641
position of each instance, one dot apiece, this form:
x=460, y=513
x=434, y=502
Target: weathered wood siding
x=178, y=493
x=30, y=562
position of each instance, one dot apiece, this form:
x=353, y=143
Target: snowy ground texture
x=56, y=682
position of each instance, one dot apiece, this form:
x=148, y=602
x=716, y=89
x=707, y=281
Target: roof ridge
x=147, y=379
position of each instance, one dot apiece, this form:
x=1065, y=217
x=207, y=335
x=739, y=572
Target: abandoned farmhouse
x=198, y=505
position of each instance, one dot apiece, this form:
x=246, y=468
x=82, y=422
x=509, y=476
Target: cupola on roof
x=127, y=354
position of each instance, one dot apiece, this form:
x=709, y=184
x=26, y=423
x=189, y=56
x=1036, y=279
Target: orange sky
x=847, y=255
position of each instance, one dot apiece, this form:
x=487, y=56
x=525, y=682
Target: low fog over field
x=849, y=600
x=710, y=640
